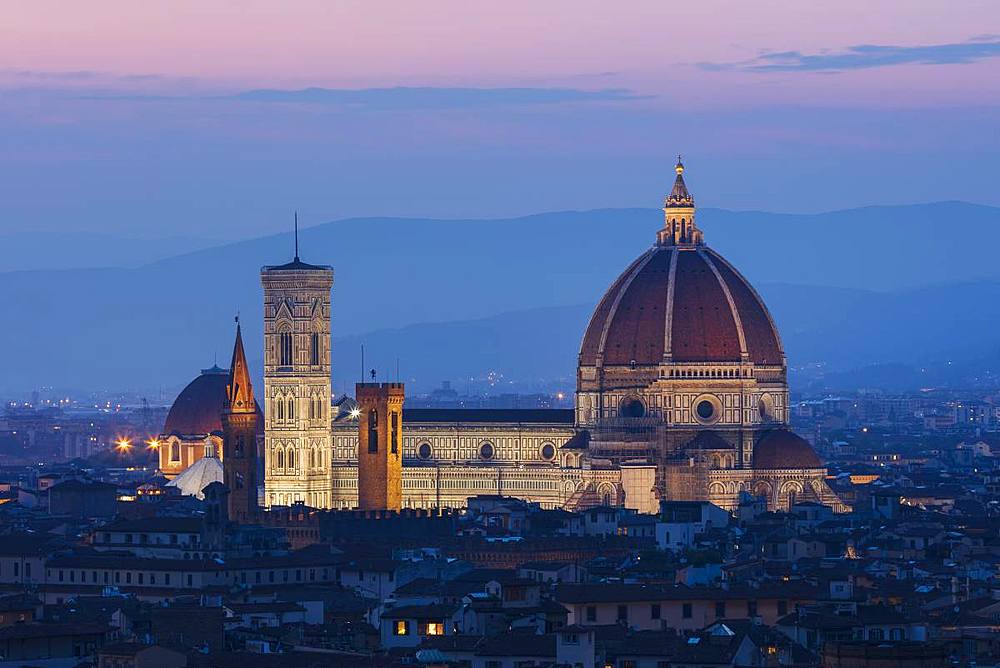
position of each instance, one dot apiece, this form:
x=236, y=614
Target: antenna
x=362, y=362
x=397, y=369
x=296, y=236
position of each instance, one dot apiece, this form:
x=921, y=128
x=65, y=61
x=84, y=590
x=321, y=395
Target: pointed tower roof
x=679, y=196
x=239, y=390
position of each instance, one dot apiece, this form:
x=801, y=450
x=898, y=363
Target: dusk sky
x=214, y=120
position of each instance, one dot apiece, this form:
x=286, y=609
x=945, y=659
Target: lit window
x=402, y=627
x=435, y=629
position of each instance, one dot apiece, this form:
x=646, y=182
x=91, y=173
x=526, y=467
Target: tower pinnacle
x=239, y=391
x=678, y=208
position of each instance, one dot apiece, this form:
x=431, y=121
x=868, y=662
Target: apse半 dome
x=783, y=449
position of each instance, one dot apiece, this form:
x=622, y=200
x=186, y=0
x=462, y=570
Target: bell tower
x=380, y=446
x=297, y=383
x=239, y=439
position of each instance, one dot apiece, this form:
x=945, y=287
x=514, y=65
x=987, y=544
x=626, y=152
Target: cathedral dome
x=783, y=449
x=197, y=410
x=680, y=304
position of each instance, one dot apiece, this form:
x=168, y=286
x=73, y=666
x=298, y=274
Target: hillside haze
x=452, y=298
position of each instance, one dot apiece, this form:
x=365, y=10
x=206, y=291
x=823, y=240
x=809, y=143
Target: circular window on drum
x=486, y=451
x=424, y=451
x=547, y=451
x=632, y=407
x=707, y=409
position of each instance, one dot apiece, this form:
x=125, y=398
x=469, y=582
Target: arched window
x=291, y=408
x=373, y=430
x=314, y=349
x=291, y=458
x=281, y=408
x=279, y=458
x=285, y=349
x=175, y=451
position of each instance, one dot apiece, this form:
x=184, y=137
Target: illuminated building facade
x=681, y=394
x=297, y=397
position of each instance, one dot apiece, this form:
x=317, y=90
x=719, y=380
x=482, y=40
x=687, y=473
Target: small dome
x=197, y=410
x=682, y=305
x=784, y=449
x=198, y=476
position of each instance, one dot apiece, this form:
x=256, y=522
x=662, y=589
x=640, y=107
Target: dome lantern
x=679, y=228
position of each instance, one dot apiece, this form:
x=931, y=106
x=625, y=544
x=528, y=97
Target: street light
x=123, y=444
x=153, y=444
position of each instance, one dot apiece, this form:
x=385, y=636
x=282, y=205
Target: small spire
x=679, y=196
x=296, y=236
x=239, y=390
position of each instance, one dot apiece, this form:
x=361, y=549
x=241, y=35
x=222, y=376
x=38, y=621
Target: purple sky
x=189, y=118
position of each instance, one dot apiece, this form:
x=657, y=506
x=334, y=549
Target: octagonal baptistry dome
x=682, y=325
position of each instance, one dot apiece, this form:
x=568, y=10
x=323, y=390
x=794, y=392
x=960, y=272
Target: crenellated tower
x=297, y=383
x=380, y=446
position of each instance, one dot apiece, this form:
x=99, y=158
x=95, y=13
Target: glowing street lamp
x=153, y=444
x=356, y=413
x=123, y=445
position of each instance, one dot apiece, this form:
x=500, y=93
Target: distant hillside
x=157, y=324
x=834, y=337
x=33, y=249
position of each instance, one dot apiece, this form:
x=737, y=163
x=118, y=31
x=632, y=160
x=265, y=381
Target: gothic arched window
x=279, y=458
x=291, y=458
x=285, y=349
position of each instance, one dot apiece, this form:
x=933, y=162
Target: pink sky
x=117, y=106
x=650, y=45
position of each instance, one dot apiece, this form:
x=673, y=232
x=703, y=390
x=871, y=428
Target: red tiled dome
x=784, y=449
x=197, y=410
x=683, y=304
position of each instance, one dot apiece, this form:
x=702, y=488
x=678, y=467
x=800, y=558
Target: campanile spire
x=679, y=228
x=239, y=391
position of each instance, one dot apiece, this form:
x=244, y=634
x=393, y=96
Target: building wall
x=449, y=486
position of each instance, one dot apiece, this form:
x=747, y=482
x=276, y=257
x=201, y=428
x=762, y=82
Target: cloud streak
x=867, y=56
x=407, y=98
